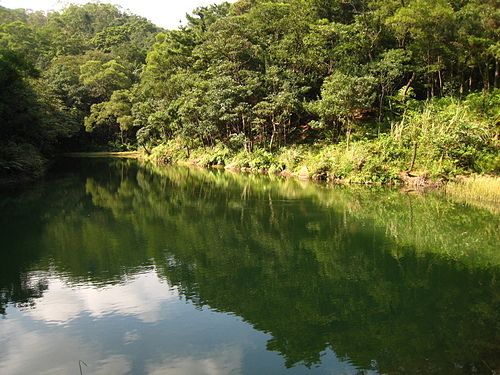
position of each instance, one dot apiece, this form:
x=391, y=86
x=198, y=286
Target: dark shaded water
x=120, y=267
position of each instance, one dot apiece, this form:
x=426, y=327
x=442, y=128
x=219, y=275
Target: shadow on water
x=392, y=283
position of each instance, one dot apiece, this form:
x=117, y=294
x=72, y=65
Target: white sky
x=163, y=13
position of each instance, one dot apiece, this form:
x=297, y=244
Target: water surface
x=122, y=267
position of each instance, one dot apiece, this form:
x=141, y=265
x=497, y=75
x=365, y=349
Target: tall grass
x=482, y=188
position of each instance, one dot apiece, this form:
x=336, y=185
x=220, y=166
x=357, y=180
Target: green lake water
x=116, y=266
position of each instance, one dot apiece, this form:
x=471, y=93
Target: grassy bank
x=361, y=164
x=476, y=189
x=105, y=154
x=379, y=161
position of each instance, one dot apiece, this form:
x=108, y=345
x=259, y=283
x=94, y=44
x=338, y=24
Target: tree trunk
x=349, y=131
x=440, y=77
x=272, y=137
x=381, y=105
x=497, y=73
x=486, y=79
x=407, y=87
x=414, y=157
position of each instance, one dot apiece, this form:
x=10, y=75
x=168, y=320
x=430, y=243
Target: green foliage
x=261, y=160
x=366, y=161
x=291, y=157
x=344, y=98
x=20, y=162
x=486, y=105
x=259, y=76
x=251, y=75
x=174, y=150
x=21, y=119
x=84, y=53
x=112, y=36
x=219, y=155
x=19, y=113
x=451, y=137
x=107, y=116
x=18, y=37
x=101, y=79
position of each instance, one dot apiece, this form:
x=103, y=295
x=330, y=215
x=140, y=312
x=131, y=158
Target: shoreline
x=478, y=190
x=484, y=189
x=105, y=154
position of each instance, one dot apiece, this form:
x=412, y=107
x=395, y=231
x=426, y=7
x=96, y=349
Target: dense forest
x=359, y=90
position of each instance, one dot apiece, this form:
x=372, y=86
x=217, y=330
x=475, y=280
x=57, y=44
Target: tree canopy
x=273, y=74
x=255, y=74
x=55, y=67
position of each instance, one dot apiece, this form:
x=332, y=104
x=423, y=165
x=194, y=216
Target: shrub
x=21, y=160
x=290, y=157
x=261, y=159
x=451, y=137
x=219, y=155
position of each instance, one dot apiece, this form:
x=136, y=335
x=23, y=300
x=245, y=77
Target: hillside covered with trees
x=356, y=90
x=53, y=69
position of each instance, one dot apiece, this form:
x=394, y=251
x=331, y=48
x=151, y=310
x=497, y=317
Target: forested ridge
x=355, y=90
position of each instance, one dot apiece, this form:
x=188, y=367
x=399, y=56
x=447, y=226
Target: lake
x=119, y=266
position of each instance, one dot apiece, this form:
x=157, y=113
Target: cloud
x=141, y=299
x=224, y=360
x=24, y=351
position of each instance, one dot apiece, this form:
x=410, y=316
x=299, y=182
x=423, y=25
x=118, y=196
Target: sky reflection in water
x=142, y=326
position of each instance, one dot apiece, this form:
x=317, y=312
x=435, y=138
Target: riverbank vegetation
x=476, y=189
x=364, y=91
x=436, y=140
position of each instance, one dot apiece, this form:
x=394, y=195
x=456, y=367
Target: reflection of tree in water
x=420, y=315
x=20, y=290
x=318, y=278
x=19, y=250
x=315, y=270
